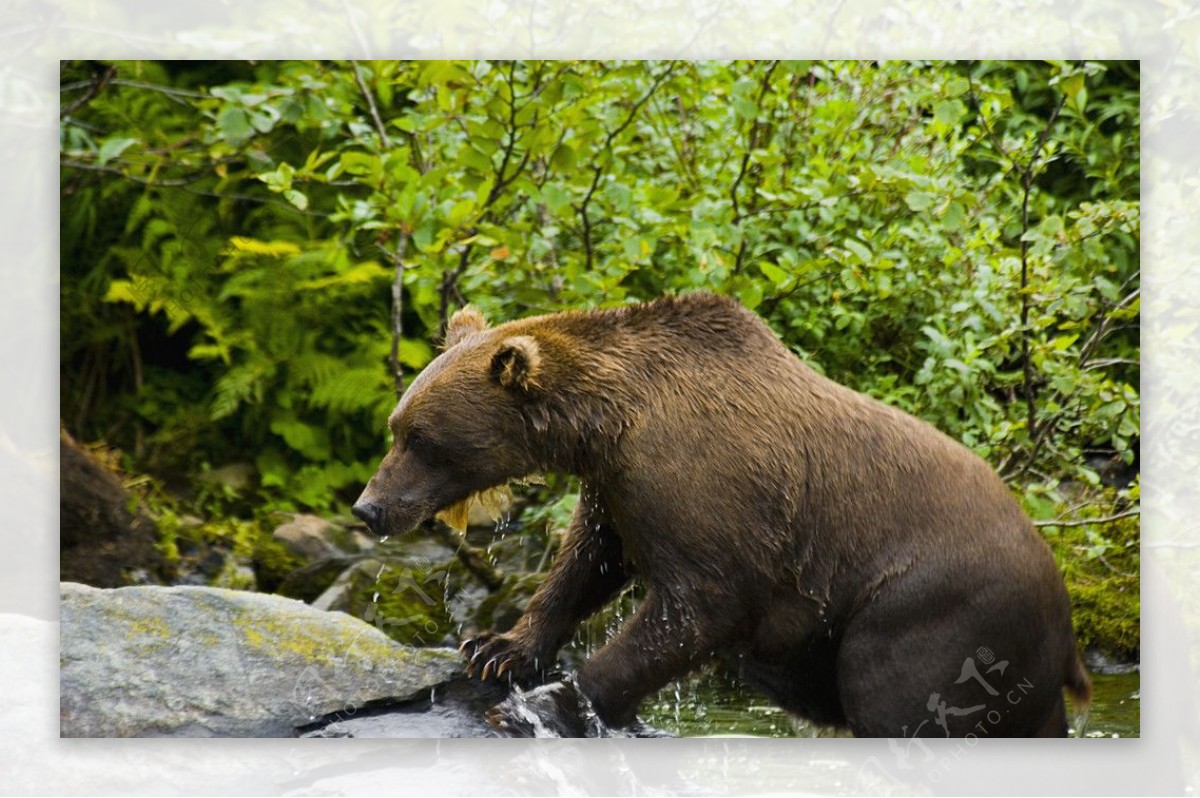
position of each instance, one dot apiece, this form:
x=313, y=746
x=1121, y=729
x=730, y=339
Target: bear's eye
x=424, y=447
x=416, y=441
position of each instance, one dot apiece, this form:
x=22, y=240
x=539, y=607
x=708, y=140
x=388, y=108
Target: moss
x=501, y=609
x=168, y=535
x=150, y=633
x=147, y=627
x=273, y=635
x=408, y=601
x=272, y=561
x=1101, y=565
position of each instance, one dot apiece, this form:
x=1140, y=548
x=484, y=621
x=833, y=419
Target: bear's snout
x=370, y=514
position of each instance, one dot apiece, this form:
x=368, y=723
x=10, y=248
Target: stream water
x=715, y=705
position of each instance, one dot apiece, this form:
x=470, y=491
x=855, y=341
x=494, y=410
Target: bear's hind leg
x=956, y=665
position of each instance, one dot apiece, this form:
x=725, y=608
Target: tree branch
x=100, y=79
x=186, y=185
x=374, y=109
x=751, y=145
x=1108, y=519
x=1027, y=368
x=598, y=171
x=397, y=313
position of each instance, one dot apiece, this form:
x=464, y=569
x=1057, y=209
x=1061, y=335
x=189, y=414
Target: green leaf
x=948, y=112
x=557, y=198
x=563, y=158
x=751, y=295
x=414, y=353
x=954, y=216
x=472, y=158
x=919, y=200
x=957, y=86
x=859, y=249
x=297, y=198
x=234, y=125
x=112, y=148
x=1075, y=89
x=272, y=468
x=308, y=440
x=776, y=275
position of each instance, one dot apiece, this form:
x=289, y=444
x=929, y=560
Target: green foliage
x=1101, y=564
x=958, y=239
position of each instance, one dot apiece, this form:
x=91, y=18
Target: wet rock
x=557, y=709
x=312, y=538
x=339, y=595
x=1104, y=664
x=312, y=582
x=470, y=708
x=457, y=709
x=324, y=551
x=195, y=661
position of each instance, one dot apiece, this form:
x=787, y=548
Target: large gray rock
x=196, y=661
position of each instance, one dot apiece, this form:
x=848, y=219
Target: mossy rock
x=198, y=661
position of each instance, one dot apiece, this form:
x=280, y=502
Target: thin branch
x=668, y=132
x=1108, y=519
x=1105, y=327
x=598, y=171
x=112, y=170
x=370, y=98
x=186, y=185
x=100, y=79
x=1027, y=188
x=397, y=313
x=167, y=90
x=450, y=277
x=511, y=144
x=750, y=144
x=983, y=119
x=1110, y=361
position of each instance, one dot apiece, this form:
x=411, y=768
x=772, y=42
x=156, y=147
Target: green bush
x=257, y=255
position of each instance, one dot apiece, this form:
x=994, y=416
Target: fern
x=310, y=441
x=311, y=368
x=351, y=390
x=362, y=274
x=244, y=383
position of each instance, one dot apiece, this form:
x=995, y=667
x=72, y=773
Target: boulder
x=197, y=661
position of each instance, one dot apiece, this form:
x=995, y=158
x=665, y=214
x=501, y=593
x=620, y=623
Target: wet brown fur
x=844, y=557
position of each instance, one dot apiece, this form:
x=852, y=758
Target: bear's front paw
x=491, y=654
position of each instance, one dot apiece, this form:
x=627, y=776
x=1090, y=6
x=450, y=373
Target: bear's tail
x=1077, y=682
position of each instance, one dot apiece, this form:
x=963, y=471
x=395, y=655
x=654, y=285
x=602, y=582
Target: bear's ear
x=464, y=322
x=517, y=363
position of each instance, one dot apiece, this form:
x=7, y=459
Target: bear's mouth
x=495, y=502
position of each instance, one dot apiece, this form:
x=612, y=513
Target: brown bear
x=848, y=560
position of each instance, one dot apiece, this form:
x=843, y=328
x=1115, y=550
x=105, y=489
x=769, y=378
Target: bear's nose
x=369, y=514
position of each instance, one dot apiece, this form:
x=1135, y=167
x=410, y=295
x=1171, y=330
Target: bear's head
x=459, y=430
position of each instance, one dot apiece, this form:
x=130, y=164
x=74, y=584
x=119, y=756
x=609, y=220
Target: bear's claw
x=494, y=656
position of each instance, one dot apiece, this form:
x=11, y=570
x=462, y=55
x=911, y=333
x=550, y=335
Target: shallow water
x=715, y=705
